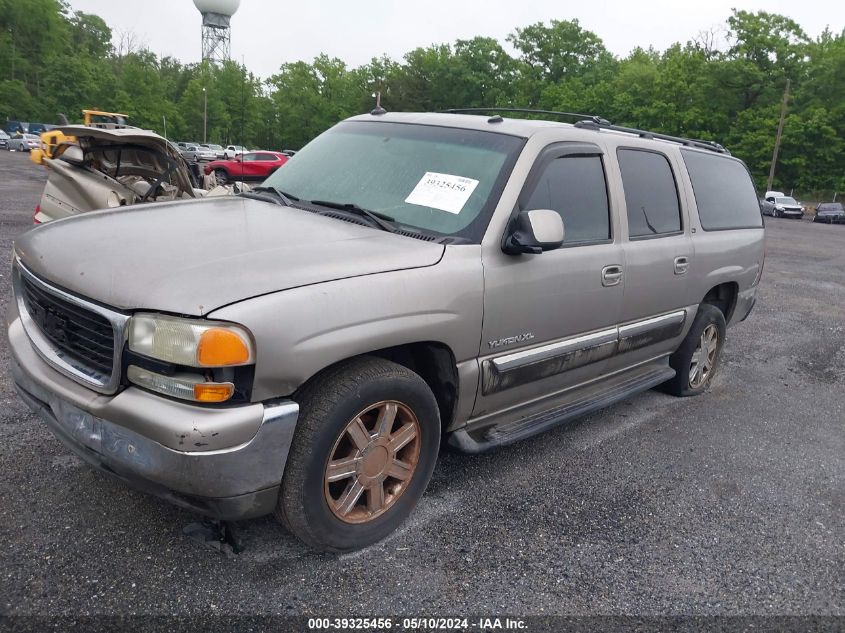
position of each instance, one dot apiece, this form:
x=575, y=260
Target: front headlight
x=192, y=343
x=190, y=359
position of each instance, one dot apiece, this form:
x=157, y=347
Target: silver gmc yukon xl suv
x=406, y=282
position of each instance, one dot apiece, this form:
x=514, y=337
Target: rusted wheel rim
x=704, y=357
x=372, y=462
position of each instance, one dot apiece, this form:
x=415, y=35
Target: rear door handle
x=681, y=265
x=611, y=275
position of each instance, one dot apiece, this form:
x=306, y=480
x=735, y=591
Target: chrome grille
x=83, y=336
x=79, y=338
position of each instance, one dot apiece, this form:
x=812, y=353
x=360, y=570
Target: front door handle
x=681, y=265
x=611, y=275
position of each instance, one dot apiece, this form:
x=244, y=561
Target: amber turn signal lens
x=221, y=348
x=213, y=392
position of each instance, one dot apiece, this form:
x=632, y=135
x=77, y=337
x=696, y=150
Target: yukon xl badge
x=510, y=340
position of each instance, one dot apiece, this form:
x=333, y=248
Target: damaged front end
x=113, y=168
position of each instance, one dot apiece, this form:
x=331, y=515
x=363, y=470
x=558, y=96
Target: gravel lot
x=730, y=503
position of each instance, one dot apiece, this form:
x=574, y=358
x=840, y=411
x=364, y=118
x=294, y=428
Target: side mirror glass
x=534, y=232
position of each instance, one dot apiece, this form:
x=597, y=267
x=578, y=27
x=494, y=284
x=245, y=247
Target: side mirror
x=534, y=232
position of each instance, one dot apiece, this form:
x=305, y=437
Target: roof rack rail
x=591, y=117
x=689, y=142
x=595, y=122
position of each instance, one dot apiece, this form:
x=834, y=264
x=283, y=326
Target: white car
x=233, y=151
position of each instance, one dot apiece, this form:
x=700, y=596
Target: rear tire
x=364, y=449
x=696, y=360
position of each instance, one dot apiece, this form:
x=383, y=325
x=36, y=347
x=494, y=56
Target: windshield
x=830, y=206
x=438, y=179
x=786, y=200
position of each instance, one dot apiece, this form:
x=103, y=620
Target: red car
x=249, y=166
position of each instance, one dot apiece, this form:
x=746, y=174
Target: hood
x=125, y=135
x=103, y=147
x=195, y=256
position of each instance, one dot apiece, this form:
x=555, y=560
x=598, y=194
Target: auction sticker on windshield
x=442, y=191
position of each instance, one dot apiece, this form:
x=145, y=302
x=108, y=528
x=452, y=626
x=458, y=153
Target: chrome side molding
x=518, y=368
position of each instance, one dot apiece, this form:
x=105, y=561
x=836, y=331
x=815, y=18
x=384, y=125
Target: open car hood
x=99, y=140
x=120, y=135
x=116, y=168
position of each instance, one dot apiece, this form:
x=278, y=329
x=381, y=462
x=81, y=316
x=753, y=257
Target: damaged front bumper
x=234, y=482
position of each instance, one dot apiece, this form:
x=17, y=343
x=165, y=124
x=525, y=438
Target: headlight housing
x=190, y=359
x=191, y=343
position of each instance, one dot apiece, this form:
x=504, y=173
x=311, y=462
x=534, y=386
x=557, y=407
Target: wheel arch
x=433, y=361
x=723, y=296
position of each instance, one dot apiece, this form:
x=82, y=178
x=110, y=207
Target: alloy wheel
x=704, y=357
x=372, y=462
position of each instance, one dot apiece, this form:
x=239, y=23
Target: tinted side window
x=650, y=193
x=724, y=193
x=575, y=187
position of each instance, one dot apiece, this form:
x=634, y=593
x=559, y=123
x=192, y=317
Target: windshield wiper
x=286, y=198
x=379, y=219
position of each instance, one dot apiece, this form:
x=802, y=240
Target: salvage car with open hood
x=111, y=168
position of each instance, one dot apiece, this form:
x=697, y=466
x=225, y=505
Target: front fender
x=300, y=331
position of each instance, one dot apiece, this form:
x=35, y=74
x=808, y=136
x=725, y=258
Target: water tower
x=216, y=30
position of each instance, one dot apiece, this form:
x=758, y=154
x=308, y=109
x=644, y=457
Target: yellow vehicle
x=51, y=140
x=104, y=120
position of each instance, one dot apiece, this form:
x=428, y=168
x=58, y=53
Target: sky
x=268, y=33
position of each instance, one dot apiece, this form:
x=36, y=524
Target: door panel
x=552, y=309
x=550, y=319
x=659, y=257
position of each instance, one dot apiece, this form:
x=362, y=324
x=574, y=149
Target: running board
x=584, y=400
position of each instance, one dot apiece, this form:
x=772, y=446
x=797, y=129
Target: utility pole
x=204, y=115
x=777, y=138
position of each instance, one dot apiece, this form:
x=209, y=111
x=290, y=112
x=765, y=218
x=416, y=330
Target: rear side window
x=650, y=193
x=723, y=191
x=575, y=187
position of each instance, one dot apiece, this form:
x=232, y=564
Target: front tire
x=362, y=455
x=696, y=360
x=222, y=176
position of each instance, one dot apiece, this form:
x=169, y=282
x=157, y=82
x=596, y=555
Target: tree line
x=725, y=86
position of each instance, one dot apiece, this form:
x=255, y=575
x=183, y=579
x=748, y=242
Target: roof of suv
x=516, y=127
x=525, y=128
